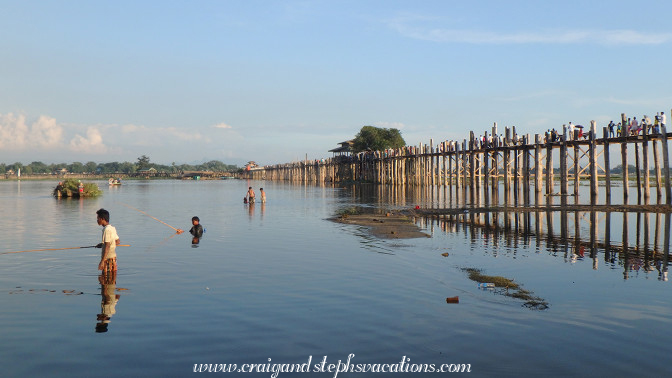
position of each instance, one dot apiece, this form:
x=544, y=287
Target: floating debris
x=508, y=288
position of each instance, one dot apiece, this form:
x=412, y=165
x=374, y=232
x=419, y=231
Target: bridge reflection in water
x=634, y=241
x=635, y=238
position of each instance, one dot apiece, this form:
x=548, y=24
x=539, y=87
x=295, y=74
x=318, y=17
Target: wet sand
x=386, y=226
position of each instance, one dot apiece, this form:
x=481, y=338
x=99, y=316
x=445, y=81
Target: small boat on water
x=114, y=181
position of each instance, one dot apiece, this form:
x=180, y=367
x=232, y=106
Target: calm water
x=280, y=282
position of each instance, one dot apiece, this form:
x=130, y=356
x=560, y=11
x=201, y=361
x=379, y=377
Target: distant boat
x=114, y=181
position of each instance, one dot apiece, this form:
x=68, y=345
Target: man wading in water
x=250, y=195
x=108, y=256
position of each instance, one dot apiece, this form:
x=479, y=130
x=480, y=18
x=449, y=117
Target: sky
x=281, y=81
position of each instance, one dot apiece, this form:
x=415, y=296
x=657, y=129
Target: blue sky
x=276, y=81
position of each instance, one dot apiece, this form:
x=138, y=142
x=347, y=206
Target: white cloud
x=155, y=136
x=182, y=135
x=405, y=26
x=91, y=144
x=130, y=129
x=222, y=126
x=16, y=134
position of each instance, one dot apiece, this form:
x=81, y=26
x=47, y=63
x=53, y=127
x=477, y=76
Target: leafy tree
x=112, y=167
x=127, y=167
x=372, y=138
x=15, y=167
x=39, y=167
x=619, y=169
x=143, y=162
x=91, y=167
x=76, y=167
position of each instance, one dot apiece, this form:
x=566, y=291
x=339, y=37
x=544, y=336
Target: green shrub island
x=71, y=188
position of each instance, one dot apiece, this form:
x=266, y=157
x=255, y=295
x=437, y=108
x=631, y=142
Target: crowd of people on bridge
x=631, y=127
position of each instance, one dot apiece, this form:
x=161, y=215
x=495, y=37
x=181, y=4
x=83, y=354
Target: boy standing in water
x=108, y=256
x=197, y=228
x=263, y=195
x=250, y=195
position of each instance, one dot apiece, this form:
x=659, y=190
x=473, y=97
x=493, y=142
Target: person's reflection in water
x=661, y=267
x=108, y=302
x=251, y=210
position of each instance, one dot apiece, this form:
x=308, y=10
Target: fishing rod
x=177, y=230
x=59, y=249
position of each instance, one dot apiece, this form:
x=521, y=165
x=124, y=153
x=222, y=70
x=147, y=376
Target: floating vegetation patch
x=509, y=288
x=75, y=188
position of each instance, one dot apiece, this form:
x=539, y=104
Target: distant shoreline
x=80, y=176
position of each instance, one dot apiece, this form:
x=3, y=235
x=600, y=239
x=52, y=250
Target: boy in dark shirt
x=196, y=229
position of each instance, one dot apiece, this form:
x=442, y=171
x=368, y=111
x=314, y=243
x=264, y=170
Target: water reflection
x=498, y=216
x=579, y=237
x=250, y=208
x=109, y=299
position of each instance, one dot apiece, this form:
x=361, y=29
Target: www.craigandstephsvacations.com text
x=403, y=366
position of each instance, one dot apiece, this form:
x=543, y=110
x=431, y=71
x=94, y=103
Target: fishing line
x=149, y=216
x=58, y=249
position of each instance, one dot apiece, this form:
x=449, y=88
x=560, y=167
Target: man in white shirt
x=571, y=130
x=108, y=256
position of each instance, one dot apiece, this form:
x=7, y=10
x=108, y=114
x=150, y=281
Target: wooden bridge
x=511, y=158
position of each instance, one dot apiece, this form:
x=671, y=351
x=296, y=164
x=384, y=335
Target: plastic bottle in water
x=485, y=285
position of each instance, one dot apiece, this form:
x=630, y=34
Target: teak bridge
x=514, y=159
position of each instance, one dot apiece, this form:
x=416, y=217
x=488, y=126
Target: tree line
x=143, y=162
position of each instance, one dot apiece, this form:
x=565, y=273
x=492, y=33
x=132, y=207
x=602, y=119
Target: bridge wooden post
x=666, y=165
x=465, y=163
x=537, y=163
x=486, y=164
x=624, y=156
x=607, y=168
x=506, y=157
x=549, y=164
x=564, y=171
x=593, y=163
x=645, y=163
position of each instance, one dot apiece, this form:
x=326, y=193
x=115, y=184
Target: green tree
x=76, y=167
x=143, y=162
x=112, y=167
x=39, y=167
x=372, y=138
x=15, y=167
x=91, y=167
x=128, y=167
